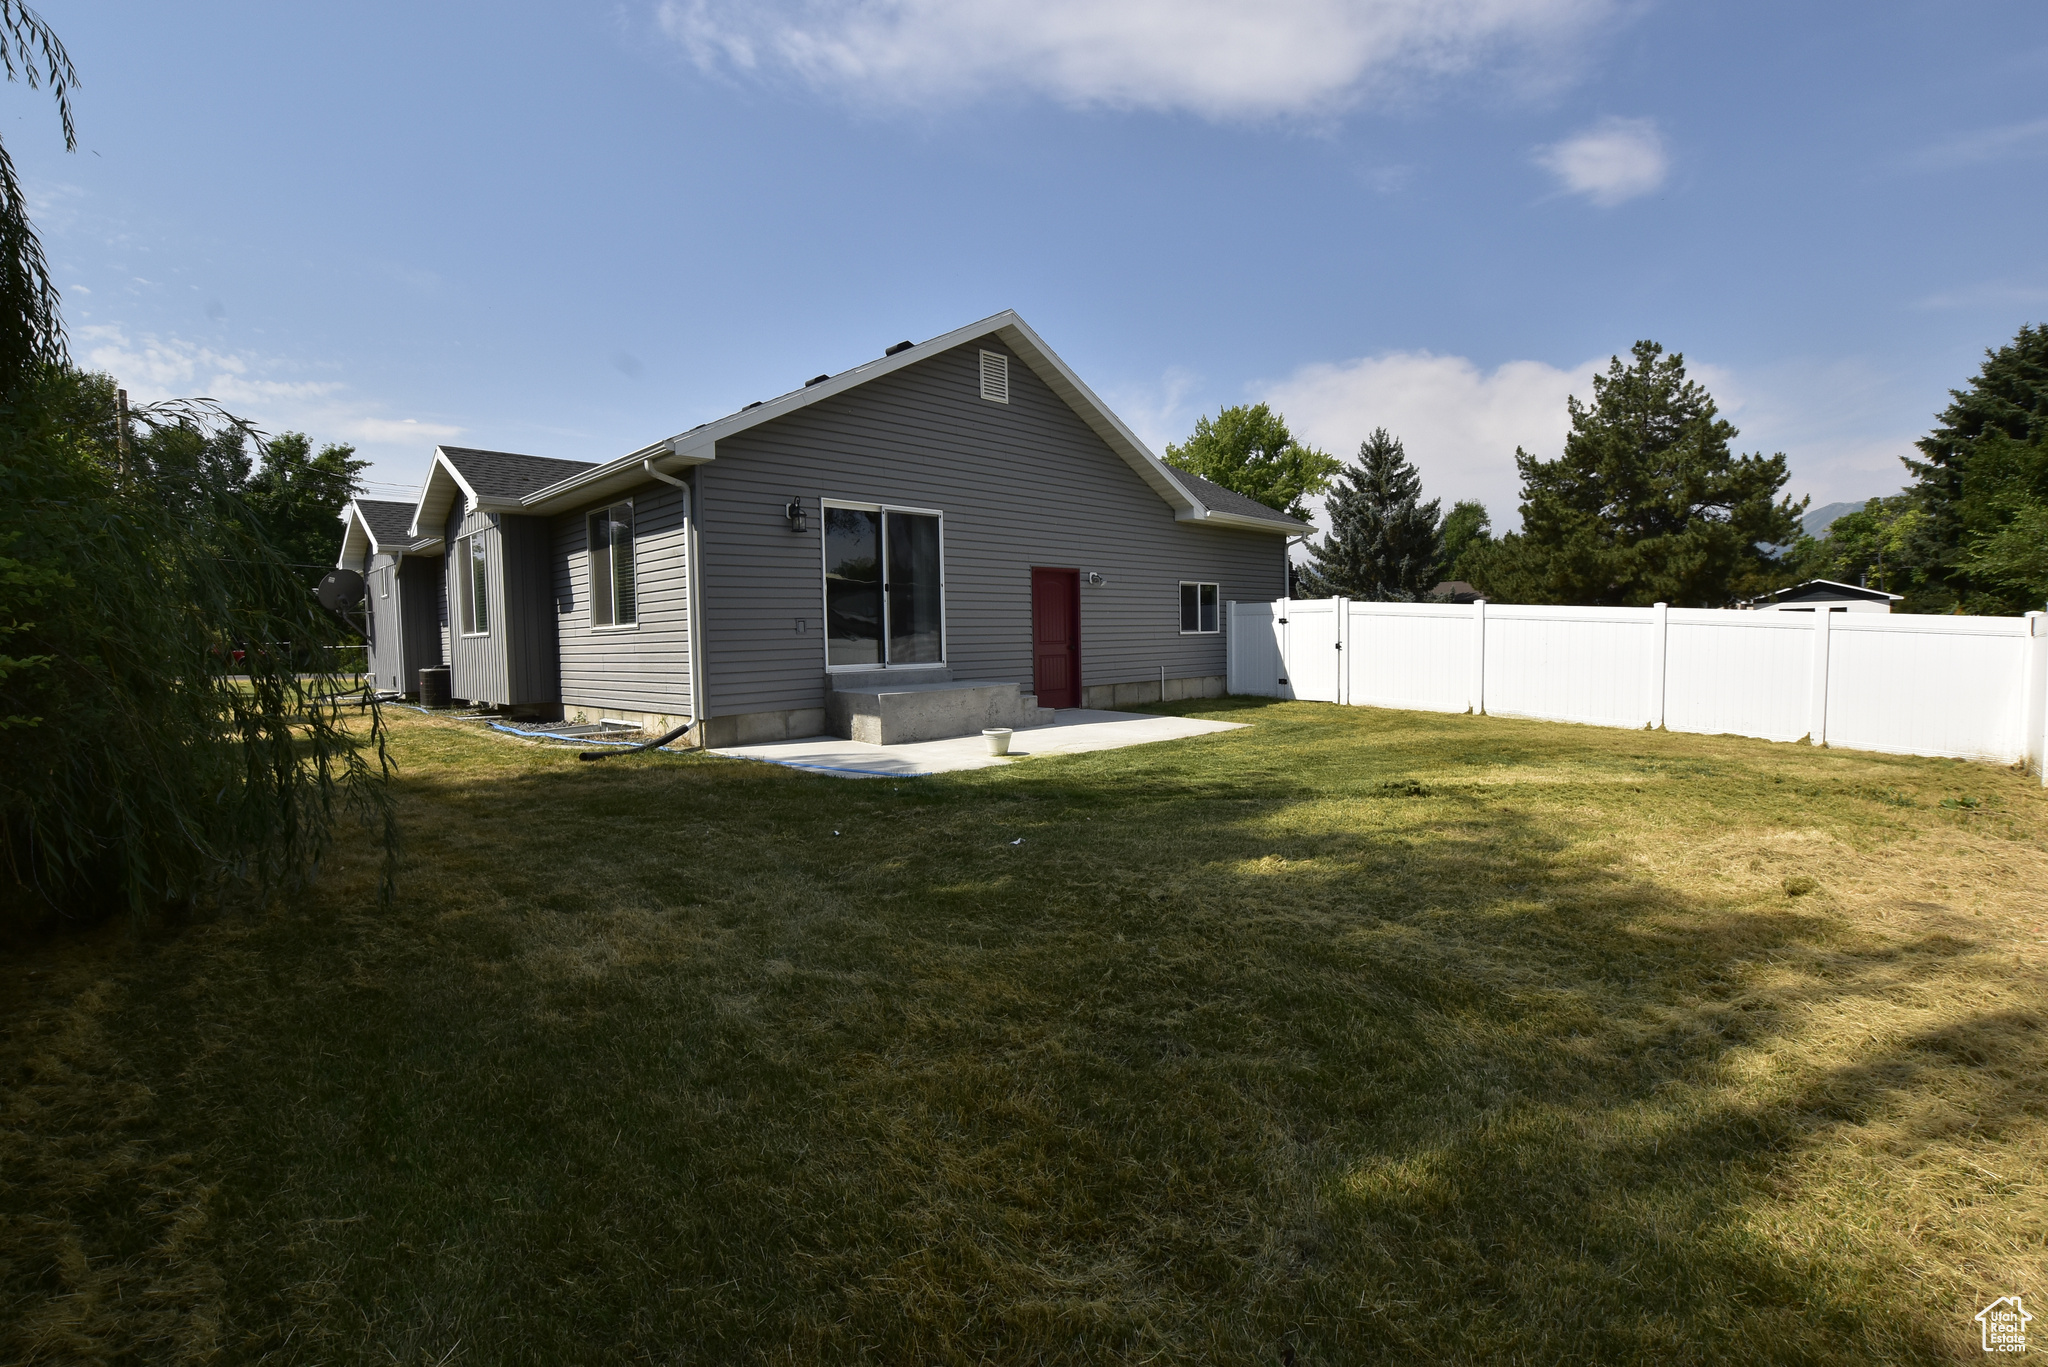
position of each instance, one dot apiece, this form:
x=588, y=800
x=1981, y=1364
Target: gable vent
x=995, y=376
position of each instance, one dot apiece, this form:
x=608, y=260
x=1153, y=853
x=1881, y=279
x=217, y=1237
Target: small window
x=613, y=601
x=1197, y=608
x=384, y=584
x=473, y=584
x=995, y=376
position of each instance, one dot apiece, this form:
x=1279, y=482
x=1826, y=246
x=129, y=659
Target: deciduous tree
x=1250, y=451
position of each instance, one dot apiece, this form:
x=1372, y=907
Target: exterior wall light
x=795, y=513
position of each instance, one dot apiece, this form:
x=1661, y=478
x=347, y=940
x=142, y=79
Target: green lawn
x=1355, y=1036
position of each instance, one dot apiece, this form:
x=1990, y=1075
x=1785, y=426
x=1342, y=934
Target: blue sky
x=571, y=230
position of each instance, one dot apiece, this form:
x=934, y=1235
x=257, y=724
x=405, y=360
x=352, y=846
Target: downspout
x=693, y=591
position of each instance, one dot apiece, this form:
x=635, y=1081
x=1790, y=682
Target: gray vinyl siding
x=644, y=668
x=420, y=617
x=513, y=664
x=476, y=664
x=532, y=660
x=1021, y=484
x=387, y=632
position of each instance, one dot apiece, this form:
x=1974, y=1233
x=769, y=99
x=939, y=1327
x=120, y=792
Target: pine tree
x=1383, y=542
x=1647, y=504
x=1984, y=487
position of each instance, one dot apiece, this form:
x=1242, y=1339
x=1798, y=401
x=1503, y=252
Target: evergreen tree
x=1249, y=450
x=1383, y=542
x=1984, y=484
x=1646, y=504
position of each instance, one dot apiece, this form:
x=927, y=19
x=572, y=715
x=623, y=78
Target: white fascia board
x=589, y=486
x=437, y=496
x=1279, y=527
x=356, y=541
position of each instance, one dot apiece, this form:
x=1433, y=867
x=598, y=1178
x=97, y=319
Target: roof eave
x=628, y=471
x=1279, y=526
x=434, y=499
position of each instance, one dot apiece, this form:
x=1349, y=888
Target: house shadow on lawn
x=1226, y=1051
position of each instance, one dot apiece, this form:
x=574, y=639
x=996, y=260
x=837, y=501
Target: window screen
x=853, y=586
x=473, y=581
x=613, y=597
x=885, y=587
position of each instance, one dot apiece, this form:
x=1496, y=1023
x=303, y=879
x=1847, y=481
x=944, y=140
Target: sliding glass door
x=885, y=587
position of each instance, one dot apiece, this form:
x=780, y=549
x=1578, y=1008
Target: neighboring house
x=962, y=510
x=1817, y=594
x=405, y=614
x=1453, y=591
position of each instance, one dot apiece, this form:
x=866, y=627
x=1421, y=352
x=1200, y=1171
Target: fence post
x=1817, y=724
x=1661, y=635
x=1229, y=649
x=1478, y=657
x=2034, y=701
x=1343, y=609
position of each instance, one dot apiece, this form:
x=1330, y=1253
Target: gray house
x=960, y=513
x=402, y=581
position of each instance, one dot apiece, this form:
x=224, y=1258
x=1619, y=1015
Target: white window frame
x=1198, y=585
x=467, y=588
x=612, y=591
x=824, y=569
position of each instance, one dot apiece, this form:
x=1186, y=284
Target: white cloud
x=1215, y=58
x=1460, y=424
x=1842, y=424
x=1613, y=161
x=257, y=388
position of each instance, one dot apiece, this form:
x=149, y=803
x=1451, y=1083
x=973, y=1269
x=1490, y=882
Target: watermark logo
x=2004, y=1322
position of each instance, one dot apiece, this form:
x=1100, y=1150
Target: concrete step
x=889, y=713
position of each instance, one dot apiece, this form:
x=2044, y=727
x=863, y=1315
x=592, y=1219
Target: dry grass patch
x=1355, y=1036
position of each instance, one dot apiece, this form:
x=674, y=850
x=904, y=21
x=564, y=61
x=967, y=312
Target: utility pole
x=121, y=433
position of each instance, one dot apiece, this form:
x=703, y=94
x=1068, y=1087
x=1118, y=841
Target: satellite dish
x=340, y=590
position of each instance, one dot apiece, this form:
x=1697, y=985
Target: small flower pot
x=998, y=738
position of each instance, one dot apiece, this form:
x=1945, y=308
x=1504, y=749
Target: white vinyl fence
x=1961, y=687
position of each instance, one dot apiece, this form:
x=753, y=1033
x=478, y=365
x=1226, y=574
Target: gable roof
x=1192, y=499
x=1829, y=590
x=1223, y=500
x=378, y=526
x=495, y=481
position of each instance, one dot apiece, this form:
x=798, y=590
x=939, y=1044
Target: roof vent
x=900, y=346
x=816, y=379
x=755, y=404
x=995, y=376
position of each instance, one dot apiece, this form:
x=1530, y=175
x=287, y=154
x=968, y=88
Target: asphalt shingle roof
x=387, y=521
x=506, y=474
x=1221, y=500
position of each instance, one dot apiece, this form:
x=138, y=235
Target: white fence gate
x=1960, y=687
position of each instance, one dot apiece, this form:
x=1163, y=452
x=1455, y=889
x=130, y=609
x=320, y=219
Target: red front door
x=1056, y=637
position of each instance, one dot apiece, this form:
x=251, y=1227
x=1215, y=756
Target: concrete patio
x=1073, y=731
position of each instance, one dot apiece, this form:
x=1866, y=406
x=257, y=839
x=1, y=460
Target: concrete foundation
x=907, y=717
x=900, y=713
x=1109, y=697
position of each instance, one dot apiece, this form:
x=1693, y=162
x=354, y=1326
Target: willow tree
x=169, y=723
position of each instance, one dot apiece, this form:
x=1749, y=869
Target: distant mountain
x=1817, y=521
